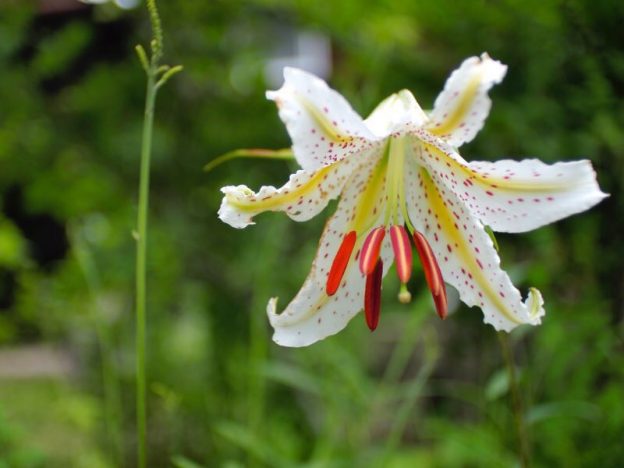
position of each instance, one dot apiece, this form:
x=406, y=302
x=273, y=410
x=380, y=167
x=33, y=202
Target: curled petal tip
x=272, y=307
x=228, y=213
x=535, y=306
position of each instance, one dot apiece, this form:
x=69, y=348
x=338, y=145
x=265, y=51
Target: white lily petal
x=462, y=107
x=518, y=196
x=465, y=252
x=514, y=196
x=397, y=112
x=322, y=125
x=313, y=315
x=305, y=195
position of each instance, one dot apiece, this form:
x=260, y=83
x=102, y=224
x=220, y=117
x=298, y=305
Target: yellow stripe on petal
x=369, y=201
x=462, y=108
x=329, y=128
x=498, y=183
x=461, y=246
x=255, y=203
x=507, y=195
x=304, y=195
x=321, y=123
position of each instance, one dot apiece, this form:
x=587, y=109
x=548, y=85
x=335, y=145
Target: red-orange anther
x=339, y=265
x=370, y=250
x=372, y=296
x=402, y=252
x=433, y=275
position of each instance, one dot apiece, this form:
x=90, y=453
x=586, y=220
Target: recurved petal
x=515, y=196
x=313, y=315
x=321, y=123
x=465, y=253
x=305, y=194
x=461, y=108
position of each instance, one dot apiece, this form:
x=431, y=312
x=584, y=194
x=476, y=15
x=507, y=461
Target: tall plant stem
x=518, y=411
x=157, y=76
x=141, y=239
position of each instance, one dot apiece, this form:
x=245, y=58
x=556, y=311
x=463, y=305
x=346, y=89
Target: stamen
x=372, y=296
x=370, y=250
x=402, y=252
x=433, y=275
x=339, y=265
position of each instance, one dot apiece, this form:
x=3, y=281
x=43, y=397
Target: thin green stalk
x=157, y=76
x=141, y=238
x=523, y=441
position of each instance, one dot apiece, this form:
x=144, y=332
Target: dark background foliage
x=417, y=392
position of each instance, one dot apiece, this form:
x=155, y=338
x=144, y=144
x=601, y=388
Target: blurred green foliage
x=415, y=393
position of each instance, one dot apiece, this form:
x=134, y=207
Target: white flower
x=400, y=167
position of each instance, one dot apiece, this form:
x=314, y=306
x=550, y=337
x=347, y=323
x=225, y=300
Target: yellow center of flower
x=394, y=177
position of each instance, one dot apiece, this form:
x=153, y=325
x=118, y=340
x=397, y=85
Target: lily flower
x=401, y=180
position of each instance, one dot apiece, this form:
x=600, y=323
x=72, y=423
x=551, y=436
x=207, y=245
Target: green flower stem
x=523, y=441
x=141, y=239
x=157, y=76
